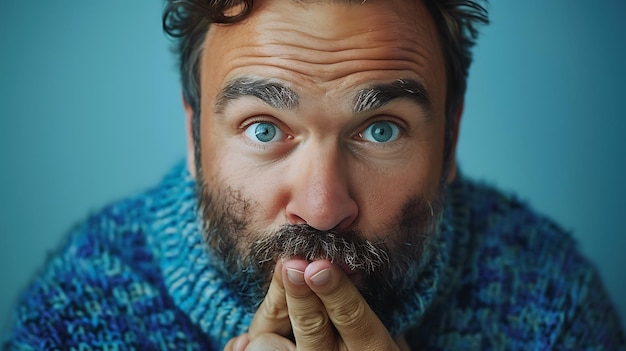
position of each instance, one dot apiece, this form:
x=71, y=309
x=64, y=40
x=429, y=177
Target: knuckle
x=350, y=315
x=274, y=309
x=310, y=324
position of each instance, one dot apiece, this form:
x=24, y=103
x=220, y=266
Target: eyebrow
x=272, y=93
x=379, y=95
x=278, y=96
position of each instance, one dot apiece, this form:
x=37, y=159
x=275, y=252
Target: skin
x=324, y=169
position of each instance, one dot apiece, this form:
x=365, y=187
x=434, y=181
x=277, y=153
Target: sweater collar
x=199, y=290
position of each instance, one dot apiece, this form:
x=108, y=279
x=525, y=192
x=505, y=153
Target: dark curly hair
x=187, y=21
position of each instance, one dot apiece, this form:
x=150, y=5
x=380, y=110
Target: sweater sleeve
x=81, y=298
x=101, y=292
x=62, y=299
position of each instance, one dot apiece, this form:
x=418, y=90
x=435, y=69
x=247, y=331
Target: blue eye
x=381, y=132
x=263, y=132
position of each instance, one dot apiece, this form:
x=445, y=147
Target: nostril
x=346, y=223
x=324, y=214
x=295, y=219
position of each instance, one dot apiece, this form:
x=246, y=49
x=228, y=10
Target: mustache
x=390, y=260
x=301, y=240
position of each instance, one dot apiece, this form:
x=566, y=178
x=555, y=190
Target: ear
x=456, y=126
x=191, y=155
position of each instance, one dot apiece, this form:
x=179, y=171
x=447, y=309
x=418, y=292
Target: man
x=320, y=207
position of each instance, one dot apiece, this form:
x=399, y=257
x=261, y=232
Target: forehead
x=325, y=43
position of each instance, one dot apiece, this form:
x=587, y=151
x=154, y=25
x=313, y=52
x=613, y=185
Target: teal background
x=90, y=112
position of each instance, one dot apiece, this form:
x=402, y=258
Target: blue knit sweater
x=137, y=276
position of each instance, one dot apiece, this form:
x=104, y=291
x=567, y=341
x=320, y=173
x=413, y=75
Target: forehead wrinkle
x=313, y=56
x=330, y=62
x=272, y=93
x=383, y=41
x=340, y=20
x=401, y=49
x=329, y=69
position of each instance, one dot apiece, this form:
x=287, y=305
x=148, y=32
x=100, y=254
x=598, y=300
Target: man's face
x=323, y=115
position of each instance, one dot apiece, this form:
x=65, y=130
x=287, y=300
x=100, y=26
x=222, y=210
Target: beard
x=390, y=263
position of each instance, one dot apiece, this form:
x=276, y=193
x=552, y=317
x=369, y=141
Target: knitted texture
x=137, y=276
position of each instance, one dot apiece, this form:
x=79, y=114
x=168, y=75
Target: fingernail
x=241, y=343
x=295, y=276
x=322, y=277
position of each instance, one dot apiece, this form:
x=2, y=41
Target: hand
x=317, y=306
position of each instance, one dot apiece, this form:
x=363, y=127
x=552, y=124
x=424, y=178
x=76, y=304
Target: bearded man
x=320, y=207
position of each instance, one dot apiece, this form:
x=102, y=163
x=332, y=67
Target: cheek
x=219, y=164
x=259, y=184
x=381, y=200
x=382, y=195
x=227, y=168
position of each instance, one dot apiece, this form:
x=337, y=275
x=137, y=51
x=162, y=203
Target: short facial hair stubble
x=391, y=263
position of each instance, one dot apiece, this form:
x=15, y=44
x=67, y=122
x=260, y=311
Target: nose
x=320, y=194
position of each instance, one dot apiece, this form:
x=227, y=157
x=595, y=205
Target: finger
x=270, y=342
x=237, y=344
x=358, y=326
x=311, y=327
x=272, y=315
